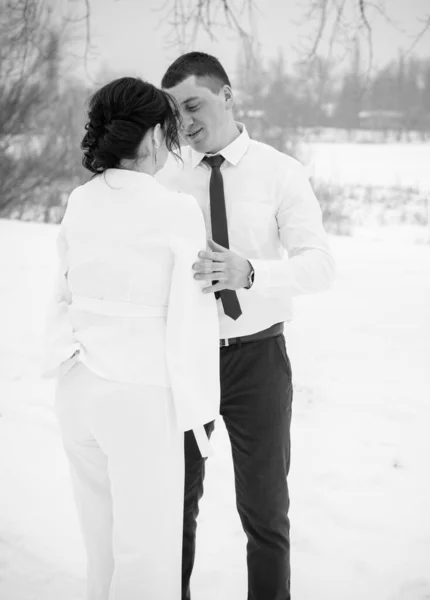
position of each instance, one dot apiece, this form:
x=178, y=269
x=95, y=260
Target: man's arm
x=310, y=266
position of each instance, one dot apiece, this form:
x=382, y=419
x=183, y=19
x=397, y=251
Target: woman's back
x=118, y=229
x=128, y=302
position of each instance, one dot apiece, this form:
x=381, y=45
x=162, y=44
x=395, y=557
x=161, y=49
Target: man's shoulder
x=264, y=150
x=265, y=153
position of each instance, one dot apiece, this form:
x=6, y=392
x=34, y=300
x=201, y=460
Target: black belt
x=276, y=329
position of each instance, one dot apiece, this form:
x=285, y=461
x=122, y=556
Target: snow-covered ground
x=360, y=478
x=392, y=165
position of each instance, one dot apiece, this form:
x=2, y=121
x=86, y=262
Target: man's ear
x=228, y=96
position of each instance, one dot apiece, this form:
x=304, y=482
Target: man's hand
x=222, y=265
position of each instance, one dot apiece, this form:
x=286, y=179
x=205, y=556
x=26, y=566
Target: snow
x=392, y=165
x=360, y=485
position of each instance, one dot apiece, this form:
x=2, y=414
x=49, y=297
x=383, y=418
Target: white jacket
x=126, y=303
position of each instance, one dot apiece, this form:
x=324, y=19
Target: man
x=257, y=202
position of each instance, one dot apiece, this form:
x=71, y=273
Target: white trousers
x=127, y=466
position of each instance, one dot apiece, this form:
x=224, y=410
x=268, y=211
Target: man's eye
x=192, y=108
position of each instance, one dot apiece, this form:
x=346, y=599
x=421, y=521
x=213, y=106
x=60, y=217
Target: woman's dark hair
x=199, y=64
x=119, y=115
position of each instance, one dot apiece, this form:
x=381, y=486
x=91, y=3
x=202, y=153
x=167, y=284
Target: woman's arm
x=192, y=324
x=60, y=344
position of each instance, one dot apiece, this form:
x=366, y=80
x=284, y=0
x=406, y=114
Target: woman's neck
x=144, y=165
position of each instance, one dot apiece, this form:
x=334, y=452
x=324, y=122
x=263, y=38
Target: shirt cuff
x=262, y=275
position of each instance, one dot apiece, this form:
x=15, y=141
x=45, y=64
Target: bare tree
x=346, y=23
x=38, y=152
x=32, y=154
x=336, y=26
x=186, y=21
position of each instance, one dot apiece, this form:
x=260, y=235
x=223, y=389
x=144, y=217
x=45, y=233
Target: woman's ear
x=157, y=135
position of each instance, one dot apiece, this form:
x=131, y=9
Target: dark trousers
x=256, y=398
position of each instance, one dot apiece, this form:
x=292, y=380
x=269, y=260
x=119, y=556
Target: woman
x=134, y=343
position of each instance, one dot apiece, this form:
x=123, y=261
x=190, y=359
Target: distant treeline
x=42, y=108
x=315, y=94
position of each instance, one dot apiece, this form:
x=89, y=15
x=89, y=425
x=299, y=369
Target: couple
x=155, y=330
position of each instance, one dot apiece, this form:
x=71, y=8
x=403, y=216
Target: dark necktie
x=229, y=299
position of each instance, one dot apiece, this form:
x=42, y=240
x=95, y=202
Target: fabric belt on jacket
x=272, y=331
x=112, y=308
x=127, y=309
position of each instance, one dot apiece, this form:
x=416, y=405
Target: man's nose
x=186, y=121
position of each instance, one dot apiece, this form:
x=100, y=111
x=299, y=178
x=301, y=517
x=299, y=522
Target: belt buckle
x=224, y=343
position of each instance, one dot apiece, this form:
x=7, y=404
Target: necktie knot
x=214, y=161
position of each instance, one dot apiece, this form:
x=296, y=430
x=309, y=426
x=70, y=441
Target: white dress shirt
x=271, y=208
x=126, y=302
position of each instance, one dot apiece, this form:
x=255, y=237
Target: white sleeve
x=310, y=266
x=192, y=325
x=60, y=344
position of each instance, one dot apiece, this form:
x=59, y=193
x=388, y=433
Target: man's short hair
x=199, y=64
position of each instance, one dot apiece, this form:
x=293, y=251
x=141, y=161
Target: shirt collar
x=233, y=152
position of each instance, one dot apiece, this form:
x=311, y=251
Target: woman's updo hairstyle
x=119, y=116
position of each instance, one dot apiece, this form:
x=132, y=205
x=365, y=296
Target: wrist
x=249, y=277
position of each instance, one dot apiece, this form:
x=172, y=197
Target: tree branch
x=202, y=16
x=321, y=27
x=420, y=35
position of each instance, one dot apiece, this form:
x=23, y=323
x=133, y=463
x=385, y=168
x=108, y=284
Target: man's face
x=206, y=114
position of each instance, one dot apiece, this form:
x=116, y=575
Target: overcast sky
x=127, y=35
